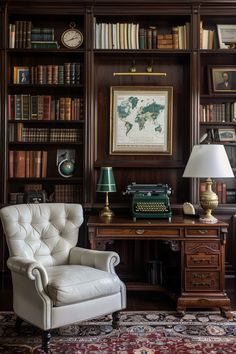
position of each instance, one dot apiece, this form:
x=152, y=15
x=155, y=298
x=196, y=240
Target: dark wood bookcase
x=187, y=72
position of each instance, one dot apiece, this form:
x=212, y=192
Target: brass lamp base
x=208, y=201
x=106, y=212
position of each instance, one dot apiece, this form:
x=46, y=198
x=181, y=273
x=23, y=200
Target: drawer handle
x=201, y=284
x=202, y=260
x=139, y=231
x=203, y=232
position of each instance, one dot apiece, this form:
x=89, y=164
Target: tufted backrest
x=42, y=232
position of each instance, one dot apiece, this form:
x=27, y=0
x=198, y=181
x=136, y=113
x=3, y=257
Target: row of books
x=18, y=133
x=133, y=36
x=18, y=197
x=219, y=188
x=22, y=34
x=63, y=193
x=44, y=107
x=67, y=73
x=27, y=164
x=207, y=37
x=67, y=193
x=218, y=112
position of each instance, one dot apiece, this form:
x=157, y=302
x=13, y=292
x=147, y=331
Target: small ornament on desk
x=189, y=210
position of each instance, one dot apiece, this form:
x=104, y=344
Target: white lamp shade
x=208, y=160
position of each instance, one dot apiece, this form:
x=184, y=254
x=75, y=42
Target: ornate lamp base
x=106, y=212
x=206, y=220
x=208, y=201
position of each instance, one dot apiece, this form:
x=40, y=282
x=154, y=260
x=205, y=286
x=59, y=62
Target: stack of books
x=27, y=164
x=218, y=112
x=207, y=37
x=133, y=36
x=22, y=34
x=64, y=74
x=18, y=133
x=44, y=107
x=67, y=193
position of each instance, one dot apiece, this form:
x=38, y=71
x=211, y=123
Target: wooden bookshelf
x=187, y=71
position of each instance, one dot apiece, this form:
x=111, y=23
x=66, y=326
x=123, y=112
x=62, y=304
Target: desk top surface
x=176, y=221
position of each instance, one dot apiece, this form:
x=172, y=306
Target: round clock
x=72, y=38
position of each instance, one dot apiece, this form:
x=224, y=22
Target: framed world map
x=141, y=120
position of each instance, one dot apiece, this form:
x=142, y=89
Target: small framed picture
x=226, y=36
x=227, y=135
x=21, y=75
x=222, y=79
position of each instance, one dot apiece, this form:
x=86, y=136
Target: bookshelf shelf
x=49, y=179
x=218, y=123
x=65, y=143
x=141, y=51
x=29, y=86
x=34, y=51
x=45, y=122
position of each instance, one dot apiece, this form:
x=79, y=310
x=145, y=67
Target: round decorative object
x=72, y=38
x=66, y=168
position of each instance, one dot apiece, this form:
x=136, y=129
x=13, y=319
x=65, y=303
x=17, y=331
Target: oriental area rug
x=139, y=333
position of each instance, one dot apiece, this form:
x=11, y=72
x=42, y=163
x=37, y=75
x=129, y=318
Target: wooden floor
x=136, y=301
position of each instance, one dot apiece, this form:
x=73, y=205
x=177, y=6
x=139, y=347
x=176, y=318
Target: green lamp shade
x=106, y=182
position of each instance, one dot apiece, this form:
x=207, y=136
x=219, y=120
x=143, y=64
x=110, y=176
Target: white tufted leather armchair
x=56, y=283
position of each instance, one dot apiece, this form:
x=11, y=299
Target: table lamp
x=106, y=184
x=207, y=161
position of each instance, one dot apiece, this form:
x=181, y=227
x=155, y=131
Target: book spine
x=19, y=164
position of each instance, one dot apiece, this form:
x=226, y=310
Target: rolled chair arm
x=28, y=268
x=103, y=260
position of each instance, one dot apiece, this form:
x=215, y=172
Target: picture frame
x=21, y=75
x=226, y=36
x=141, y=119
x=222, y=79
x=226, y=134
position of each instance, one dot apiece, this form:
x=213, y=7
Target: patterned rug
x=139, y=333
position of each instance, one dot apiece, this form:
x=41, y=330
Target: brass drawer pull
x=201, y=284
x=199, y=261
x=139, y=231
x=203, y=232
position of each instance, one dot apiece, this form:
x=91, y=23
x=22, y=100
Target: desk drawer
x=202, y=280
x=202, y=232
x=136, y=232
x=202, y=260
x=201, y=246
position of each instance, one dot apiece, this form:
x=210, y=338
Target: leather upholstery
x=54, y=282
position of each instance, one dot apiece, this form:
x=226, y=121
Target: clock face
x=72, y=38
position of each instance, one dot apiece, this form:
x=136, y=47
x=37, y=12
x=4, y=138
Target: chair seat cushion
x=68, y=284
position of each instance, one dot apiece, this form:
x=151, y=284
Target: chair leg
x=18, y=323
x=46, y=336
x=115, y=319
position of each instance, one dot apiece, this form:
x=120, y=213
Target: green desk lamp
x=106, y=184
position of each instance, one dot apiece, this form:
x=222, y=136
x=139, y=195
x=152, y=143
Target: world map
x=137, y=111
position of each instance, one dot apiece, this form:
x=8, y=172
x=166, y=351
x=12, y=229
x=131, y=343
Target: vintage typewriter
x=150, y=200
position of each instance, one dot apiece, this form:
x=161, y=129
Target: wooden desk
x=202, y=248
